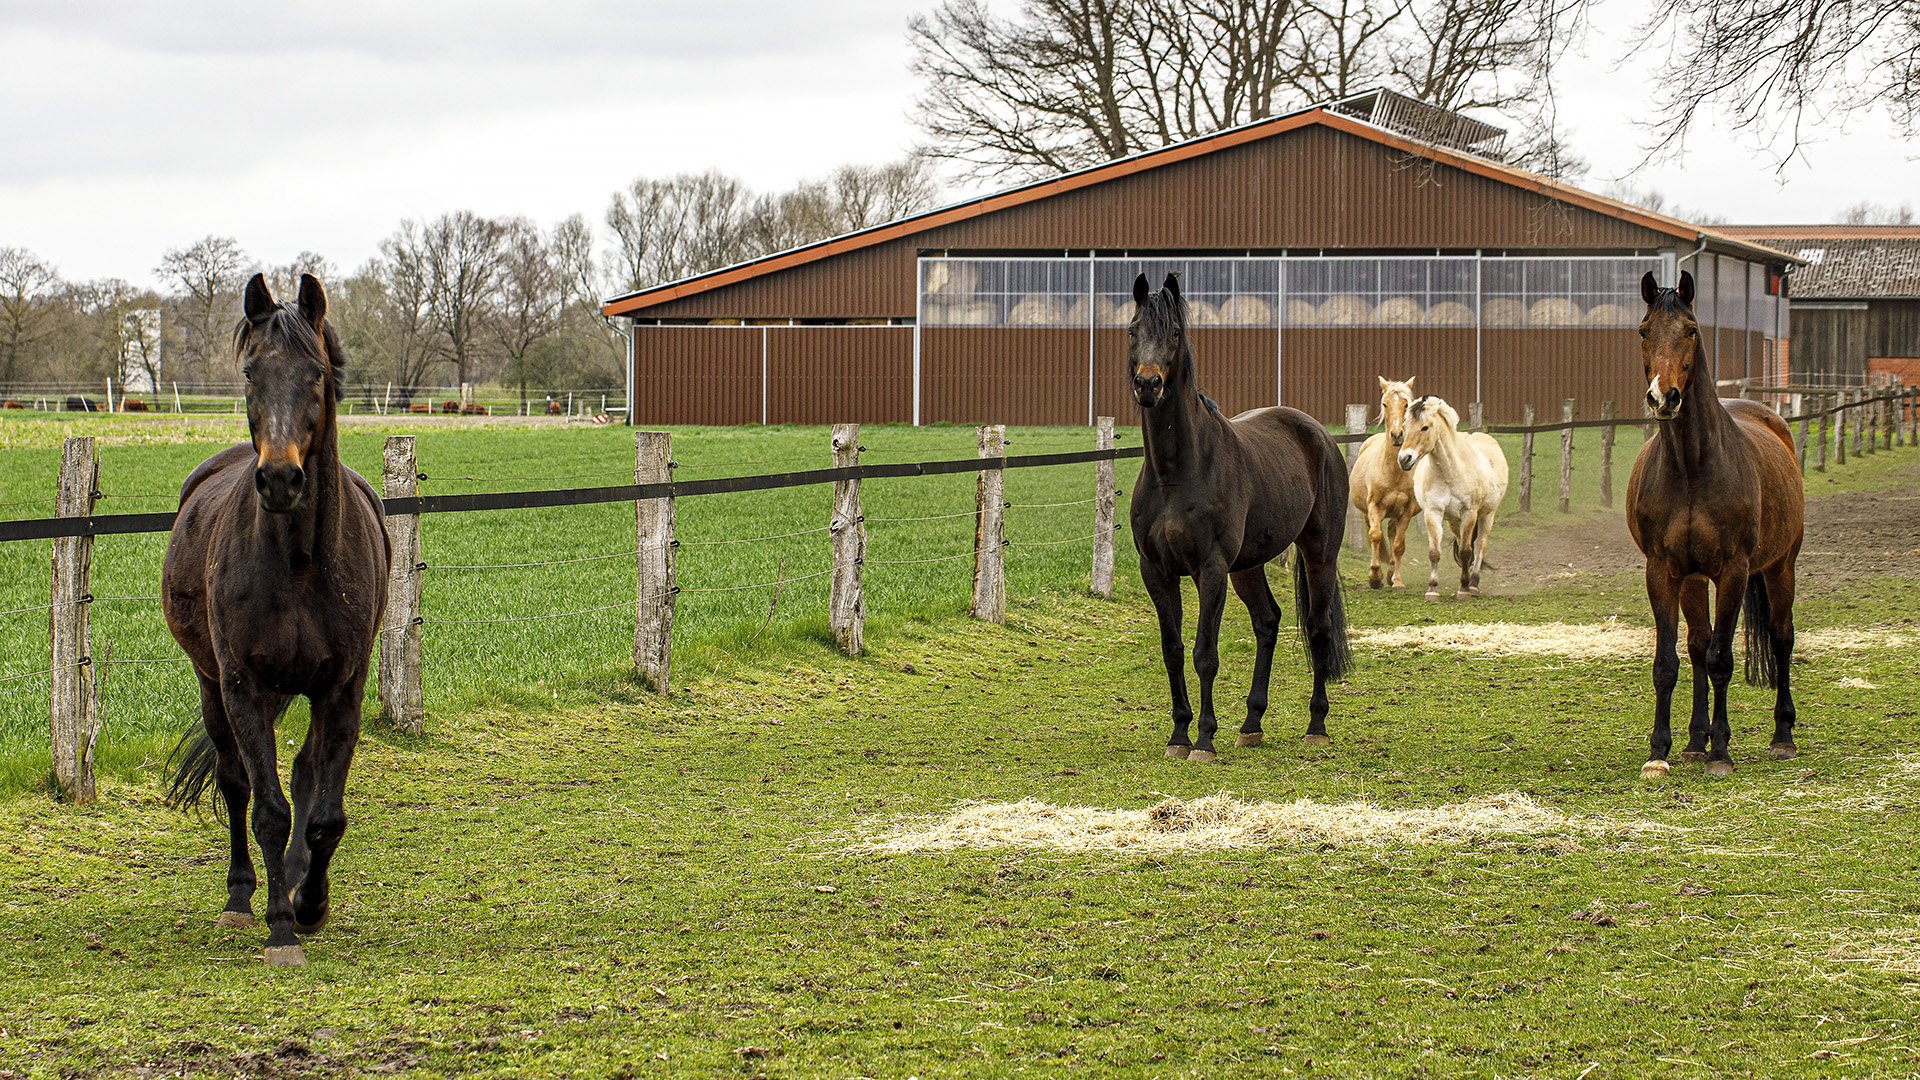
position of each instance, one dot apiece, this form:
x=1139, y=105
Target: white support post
x=846, y=609
x=653, y=610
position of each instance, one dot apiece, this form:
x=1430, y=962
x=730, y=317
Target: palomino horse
x=1715, y=498
x=1382, y=490
x=274, y=584
x=1459, y=481
x=1217, y=500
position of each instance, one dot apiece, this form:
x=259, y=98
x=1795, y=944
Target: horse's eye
x=1643, y=332
x=248, y=372
x=1426, y=427
x=1691, y=332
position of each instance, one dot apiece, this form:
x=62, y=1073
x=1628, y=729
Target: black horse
x=1217, y=500
x=274, y=584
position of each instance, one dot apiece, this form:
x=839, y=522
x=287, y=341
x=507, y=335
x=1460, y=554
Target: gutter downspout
x=614, y=325
x=1684, y=258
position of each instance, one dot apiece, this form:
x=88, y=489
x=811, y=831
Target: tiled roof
x=1845, y=262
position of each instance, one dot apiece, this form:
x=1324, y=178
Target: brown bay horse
x=1715, y=500
x=1217, y=500
x=274, y=584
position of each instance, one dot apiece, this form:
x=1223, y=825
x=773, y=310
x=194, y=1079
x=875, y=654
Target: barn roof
x=1323, y=117
x=1846, y=262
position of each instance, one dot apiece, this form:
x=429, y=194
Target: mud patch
x=1221, y=821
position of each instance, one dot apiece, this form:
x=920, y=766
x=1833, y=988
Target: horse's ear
x=1141, y=290
x=1173, y=286
x=1383, y=383
x=1649, y=288
x=1686, y=288
x=313, y=300
x=259, y=299
x=1410, y=379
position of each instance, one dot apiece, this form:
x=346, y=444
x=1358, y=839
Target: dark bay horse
x=274, y=584
x=1715, y=499
x=1217, y=500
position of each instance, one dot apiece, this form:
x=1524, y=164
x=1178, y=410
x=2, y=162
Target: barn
x=1370, y=235
x=1855, y=301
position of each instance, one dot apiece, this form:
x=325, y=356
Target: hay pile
x=1221, y=821
x=1593, y=641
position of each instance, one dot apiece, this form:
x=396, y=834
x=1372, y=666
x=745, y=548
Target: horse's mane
x=1428, y=403
x=287, y=327
x=1668, y=301
x=1165, y=315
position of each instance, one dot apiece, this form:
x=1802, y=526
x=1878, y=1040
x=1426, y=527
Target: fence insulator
x=74, y=713
x=1105, y=495
x=846, y=609
x=399, y=672
x=990, y=530
x=653, y=611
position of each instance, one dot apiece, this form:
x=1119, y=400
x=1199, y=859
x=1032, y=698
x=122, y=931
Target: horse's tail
x=1758, y=612
x=192, y=763
x=1331, y=507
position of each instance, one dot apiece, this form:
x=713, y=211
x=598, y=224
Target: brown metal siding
x=696, y=375
x=1328, y=369
x=1541, y=367
x=839, y=375
x=994, y=376
x=871, y=283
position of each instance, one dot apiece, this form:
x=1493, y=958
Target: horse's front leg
x=1378, y=528
x=230, y=774
x=1436, y=532
x=1695, y=605
x=1729, y=592
x=251, y=711
x=1257, y=594
x=1663, y=594
x=1211, y=582
x=319, y=789
x=1402, y=525
x=1164, y=589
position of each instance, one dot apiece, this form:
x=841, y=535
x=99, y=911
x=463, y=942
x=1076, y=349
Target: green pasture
x=568, y=877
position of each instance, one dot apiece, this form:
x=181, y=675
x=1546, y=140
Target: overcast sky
x=135, y=127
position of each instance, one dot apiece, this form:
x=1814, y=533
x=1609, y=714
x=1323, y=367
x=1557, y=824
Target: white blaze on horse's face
x=1395, y=398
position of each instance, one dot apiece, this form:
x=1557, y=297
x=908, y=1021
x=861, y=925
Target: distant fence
x=360, y=399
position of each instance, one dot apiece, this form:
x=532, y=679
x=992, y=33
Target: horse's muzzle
x=280, y=486
x=1665, y=406
x=1407, y=458
x=1146, y=390
x=1398, y=437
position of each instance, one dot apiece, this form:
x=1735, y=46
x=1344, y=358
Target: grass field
x=565, y=877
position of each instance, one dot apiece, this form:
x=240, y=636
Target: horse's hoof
x=1654, y=770
x=1433, y=594
x=1201, y=757
x=1248, y=738
x=1693, y=757
x=1783, y=751
x=1179, y=751
x=1374, y=583
x=1399, y=588
x=303, y=929
x=234, y=920
x=1719, y=768
x=1316, y=740
x=286, y=956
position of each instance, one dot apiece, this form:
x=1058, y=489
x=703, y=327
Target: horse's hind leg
x=1258, y=595
x=1164, y=589
x=319, y=788
x=1779, y=581
x=1211, y=583
x=230, y=774
x=1481, y=530
x=1694, y=605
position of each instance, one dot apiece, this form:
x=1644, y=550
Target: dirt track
x=1849, y=535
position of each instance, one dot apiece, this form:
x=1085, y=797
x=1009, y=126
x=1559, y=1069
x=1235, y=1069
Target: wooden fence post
x=1476, y=415
x=1607, y=413
x=1526, y=462
x=399, y=672
x=1820, y=433
x=653, y=612
x=1885, y=411
x=1566, y=456
x=846, y=610
x=1871, y=422
x=990, y=530
x=1798, y=408
x=1840, y=418
x=1356, y=521
x=1105, y=496
x=74, y=712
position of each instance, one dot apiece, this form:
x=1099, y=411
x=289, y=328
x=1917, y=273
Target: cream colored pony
x=1459, y=481
x=1381, y=489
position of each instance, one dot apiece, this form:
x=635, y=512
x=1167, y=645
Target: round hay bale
x=1201, y=313
x=1108, y=313
x=1035, y=309
x=1503, y=311
x=1076, y=314
x=1345, y=310
x=1449, y=313
x=984, y=313
x=1555, y=311
x=951, y=278
x=933, y=312
x=1400, y=311
x=1610, y=315
x=1301, y=313
x=1246, y=311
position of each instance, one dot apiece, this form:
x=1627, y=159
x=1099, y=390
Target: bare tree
x=1780, y=68
x=464, y=261
x=533, y=297
x=285, y=280
x=27, y=285
x=1070, y=83
x=206, y=279
x=1872, y=213
x=405, y=305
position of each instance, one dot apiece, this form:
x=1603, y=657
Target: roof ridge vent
x=1431, y=124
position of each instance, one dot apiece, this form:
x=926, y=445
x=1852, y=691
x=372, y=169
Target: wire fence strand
x=935, y=517
x=1045, y=506
x=518, y=565
x=911, y=562
x=753, y=539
